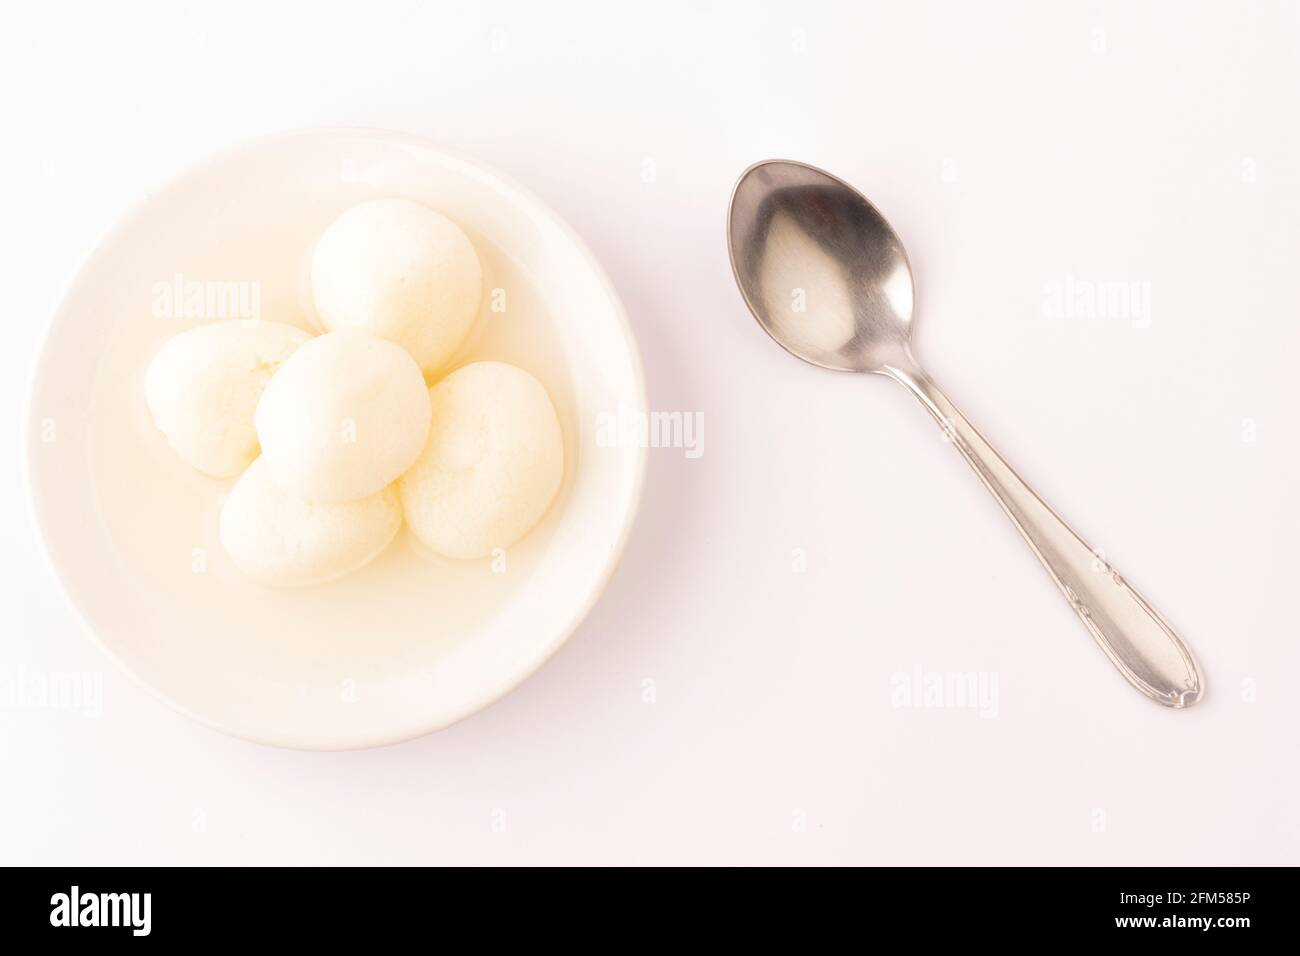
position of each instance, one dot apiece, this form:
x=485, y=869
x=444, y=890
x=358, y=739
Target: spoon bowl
x=820, y=267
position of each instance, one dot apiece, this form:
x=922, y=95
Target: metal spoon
x=829, y=280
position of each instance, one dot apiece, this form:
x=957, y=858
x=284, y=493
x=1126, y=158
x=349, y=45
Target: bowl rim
x=139, y=207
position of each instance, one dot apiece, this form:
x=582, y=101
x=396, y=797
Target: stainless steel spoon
x=829, y=280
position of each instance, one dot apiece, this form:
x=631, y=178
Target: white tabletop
x=743, y=691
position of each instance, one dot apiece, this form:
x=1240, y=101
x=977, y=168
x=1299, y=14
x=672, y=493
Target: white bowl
x=411, y=643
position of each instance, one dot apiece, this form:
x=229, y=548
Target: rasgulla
x=343, y=417
x=277, y=538
x=203, y=386
x=492, y=465
x=399, y=270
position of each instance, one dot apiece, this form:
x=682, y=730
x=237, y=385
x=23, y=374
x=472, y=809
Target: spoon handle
x=1136, y=639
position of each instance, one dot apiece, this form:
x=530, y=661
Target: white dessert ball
x=203, y=386
x=343, y=417
x=493, y=463
x=399, y=270
x=277, y=538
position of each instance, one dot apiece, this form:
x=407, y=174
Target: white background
x=720, y=705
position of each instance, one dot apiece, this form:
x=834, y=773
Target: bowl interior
x=410, y=643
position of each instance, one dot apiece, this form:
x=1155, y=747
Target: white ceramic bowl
x=386, y=654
